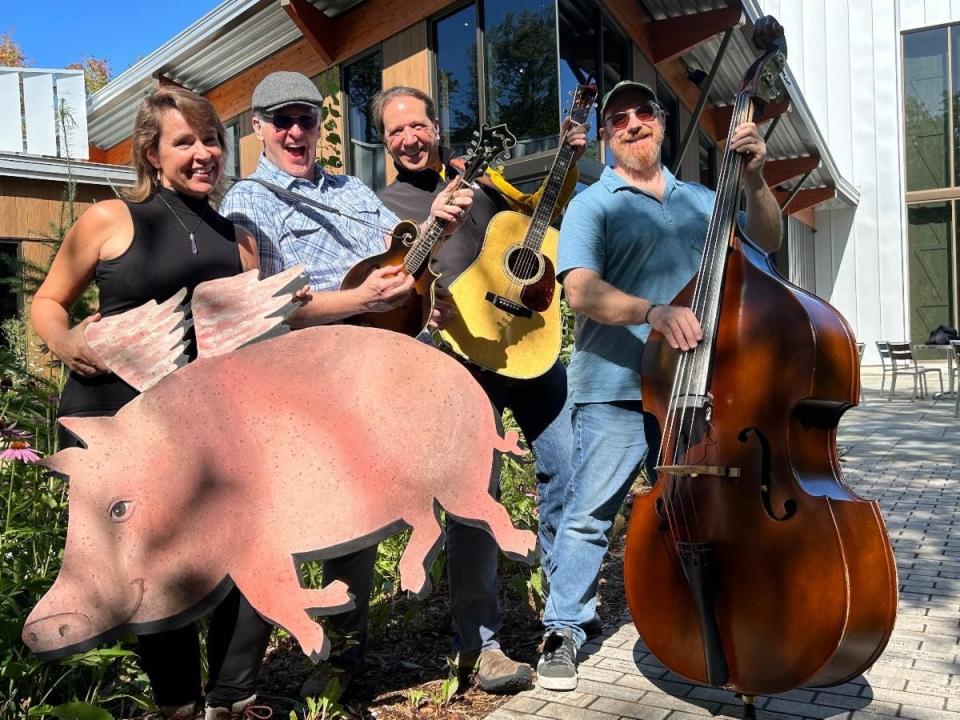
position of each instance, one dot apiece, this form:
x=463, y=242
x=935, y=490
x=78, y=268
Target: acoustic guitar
x=508, y=300
x=411, y=248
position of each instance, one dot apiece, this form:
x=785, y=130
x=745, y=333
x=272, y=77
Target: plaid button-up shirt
x=290, y=233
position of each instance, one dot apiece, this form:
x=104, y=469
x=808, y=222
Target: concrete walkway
x=907, y=455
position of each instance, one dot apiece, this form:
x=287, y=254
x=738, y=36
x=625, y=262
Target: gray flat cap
x=285, y=88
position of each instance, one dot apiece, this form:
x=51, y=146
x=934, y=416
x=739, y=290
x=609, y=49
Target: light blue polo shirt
x=640, y=245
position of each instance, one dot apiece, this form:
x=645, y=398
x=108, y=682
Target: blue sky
x=56, y=33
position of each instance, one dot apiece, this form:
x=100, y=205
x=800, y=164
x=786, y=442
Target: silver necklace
x=191, y=233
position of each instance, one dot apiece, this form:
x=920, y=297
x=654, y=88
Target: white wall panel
x=845, y=55
x=11, y=127
x=891, y=216
x=936, y=12
x=924, y=13
x=72, y=96
x=38, y=114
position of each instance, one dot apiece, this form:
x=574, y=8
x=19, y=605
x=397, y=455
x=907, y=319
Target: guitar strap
x=291, y=196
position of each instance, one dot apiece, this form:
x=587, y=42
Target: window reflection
x=929, y=231
x=925, y=84
x=458, y=102
x=361, y=81
x=579, y=23
x=521, y=65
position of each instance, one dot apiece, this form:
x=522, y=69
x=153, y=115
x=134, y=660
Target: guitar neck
x=420, y=250
x=548, y=201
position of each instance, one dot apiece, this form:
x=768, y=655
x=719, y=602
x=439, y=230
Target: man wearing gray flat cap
x=286, y=119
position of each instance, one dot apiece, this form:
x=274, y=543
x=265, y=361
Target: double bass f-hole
x=789, y=505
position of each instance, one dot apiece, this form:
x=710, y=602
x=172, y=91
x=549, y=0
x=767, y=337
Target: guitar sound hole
x=524, y=264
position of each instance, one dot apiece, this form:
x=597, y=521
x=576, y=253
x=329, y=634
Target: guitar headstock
x=583, y=99
x=489, y=143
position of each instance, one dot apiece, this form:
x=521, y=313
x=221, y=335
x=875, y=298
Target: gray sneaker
x=557, y=669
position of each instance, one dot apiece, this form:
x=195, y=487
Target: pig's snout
x=57, y=631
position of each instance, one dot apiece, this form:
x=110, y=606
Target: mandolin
x=508, y=300
x=412, y=249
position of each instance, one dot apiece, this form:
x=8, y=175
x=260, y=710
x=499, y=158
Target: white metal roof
x=35, y=167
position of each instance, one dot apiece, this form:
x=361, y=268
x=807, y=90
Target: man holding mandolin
x=407, y=119
x=302, y=215
x=628, y=244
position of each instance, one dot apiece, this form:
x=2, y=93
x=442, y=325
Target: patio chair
x=955, y=344
x=902, y=363
x=860, y=348
x=883, y=347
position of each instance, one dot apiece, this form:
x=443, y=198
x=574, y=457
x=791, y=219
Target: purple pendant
x=193, y=244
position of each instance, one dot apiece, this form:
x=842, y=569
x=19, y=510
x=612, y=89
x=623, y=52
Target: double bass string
x=693, y=367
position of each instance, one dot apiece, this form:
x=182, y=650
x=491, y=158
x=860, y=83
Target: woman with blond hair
x=162, y=236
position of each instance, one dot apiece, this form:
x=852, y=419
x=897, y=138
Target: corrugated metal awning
x=797, y=134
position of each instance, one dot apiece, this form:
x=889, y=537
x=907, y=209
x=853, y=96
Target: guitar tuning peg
x=476, y=133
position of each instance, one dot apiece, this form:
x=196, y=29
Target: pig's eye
x=120, y=510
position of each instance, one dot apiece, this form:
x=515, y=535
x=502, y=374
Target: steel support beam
x=316, y=27
x=701, y=103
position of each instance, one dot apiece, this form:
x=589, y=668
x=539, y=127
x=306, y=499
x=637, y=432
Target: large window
x=925, y=104
x=458, y=101
x=8, y=298
x=591, y=48
x=931, y=236
x=496, y=63
x=362, y=79
x=931, y=101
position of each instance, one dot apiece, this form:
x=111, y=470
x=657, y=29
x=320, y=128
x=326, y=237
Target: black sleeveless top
x=157, y=264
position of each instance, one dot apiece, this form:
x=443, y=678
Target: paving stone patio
x=905, y=454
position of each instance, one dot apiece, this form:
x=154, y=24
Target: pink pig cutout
x=260, y=454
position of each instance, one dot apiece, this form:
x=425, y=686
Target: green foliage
x=326, y=706
x=331, y=144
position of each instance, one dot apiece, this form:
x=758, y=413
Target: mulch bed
x=407, y=654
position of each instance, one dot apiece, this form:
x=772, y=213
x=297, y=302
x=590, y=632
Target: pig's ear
x=144, y=345
x=93, y=431
x=65, y=462
x=231, y=312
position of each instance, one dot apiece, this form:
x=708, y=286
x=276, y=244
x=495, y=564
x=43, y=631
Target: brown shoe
x=494, y=672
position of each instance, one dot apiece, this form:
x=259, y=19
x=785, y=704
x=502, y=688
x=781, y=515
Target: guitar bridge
x=514, y=308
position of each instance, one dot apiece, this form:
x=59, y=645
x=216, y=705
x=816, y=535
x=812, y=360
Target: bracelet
x=646, y=316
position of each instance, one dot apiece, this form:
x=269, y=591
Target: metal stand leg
x=749, y=708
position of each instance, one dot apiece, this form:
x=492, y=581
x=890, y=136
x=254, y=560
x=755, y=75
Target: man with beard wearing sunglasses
x=628, y=244
x=292, y=232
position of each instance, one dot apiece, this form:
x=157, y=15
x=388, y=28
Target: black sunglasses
x=645, y=112
x=285, y=122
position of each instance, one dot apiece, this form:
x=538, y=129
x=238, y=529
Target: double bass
x=750, y=564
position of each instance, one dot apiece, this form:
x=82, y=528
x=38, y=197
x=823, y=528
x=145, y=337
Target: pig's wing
x=144, y=345
x=231, y=312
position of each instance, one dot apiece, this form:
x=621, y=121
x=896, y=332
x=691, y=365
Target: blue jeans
x=540, y=408
x=610, y=445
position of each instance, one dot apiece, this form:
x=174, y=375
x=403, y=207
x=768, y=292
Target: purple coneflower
x=19, y=450
x=10, y=432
